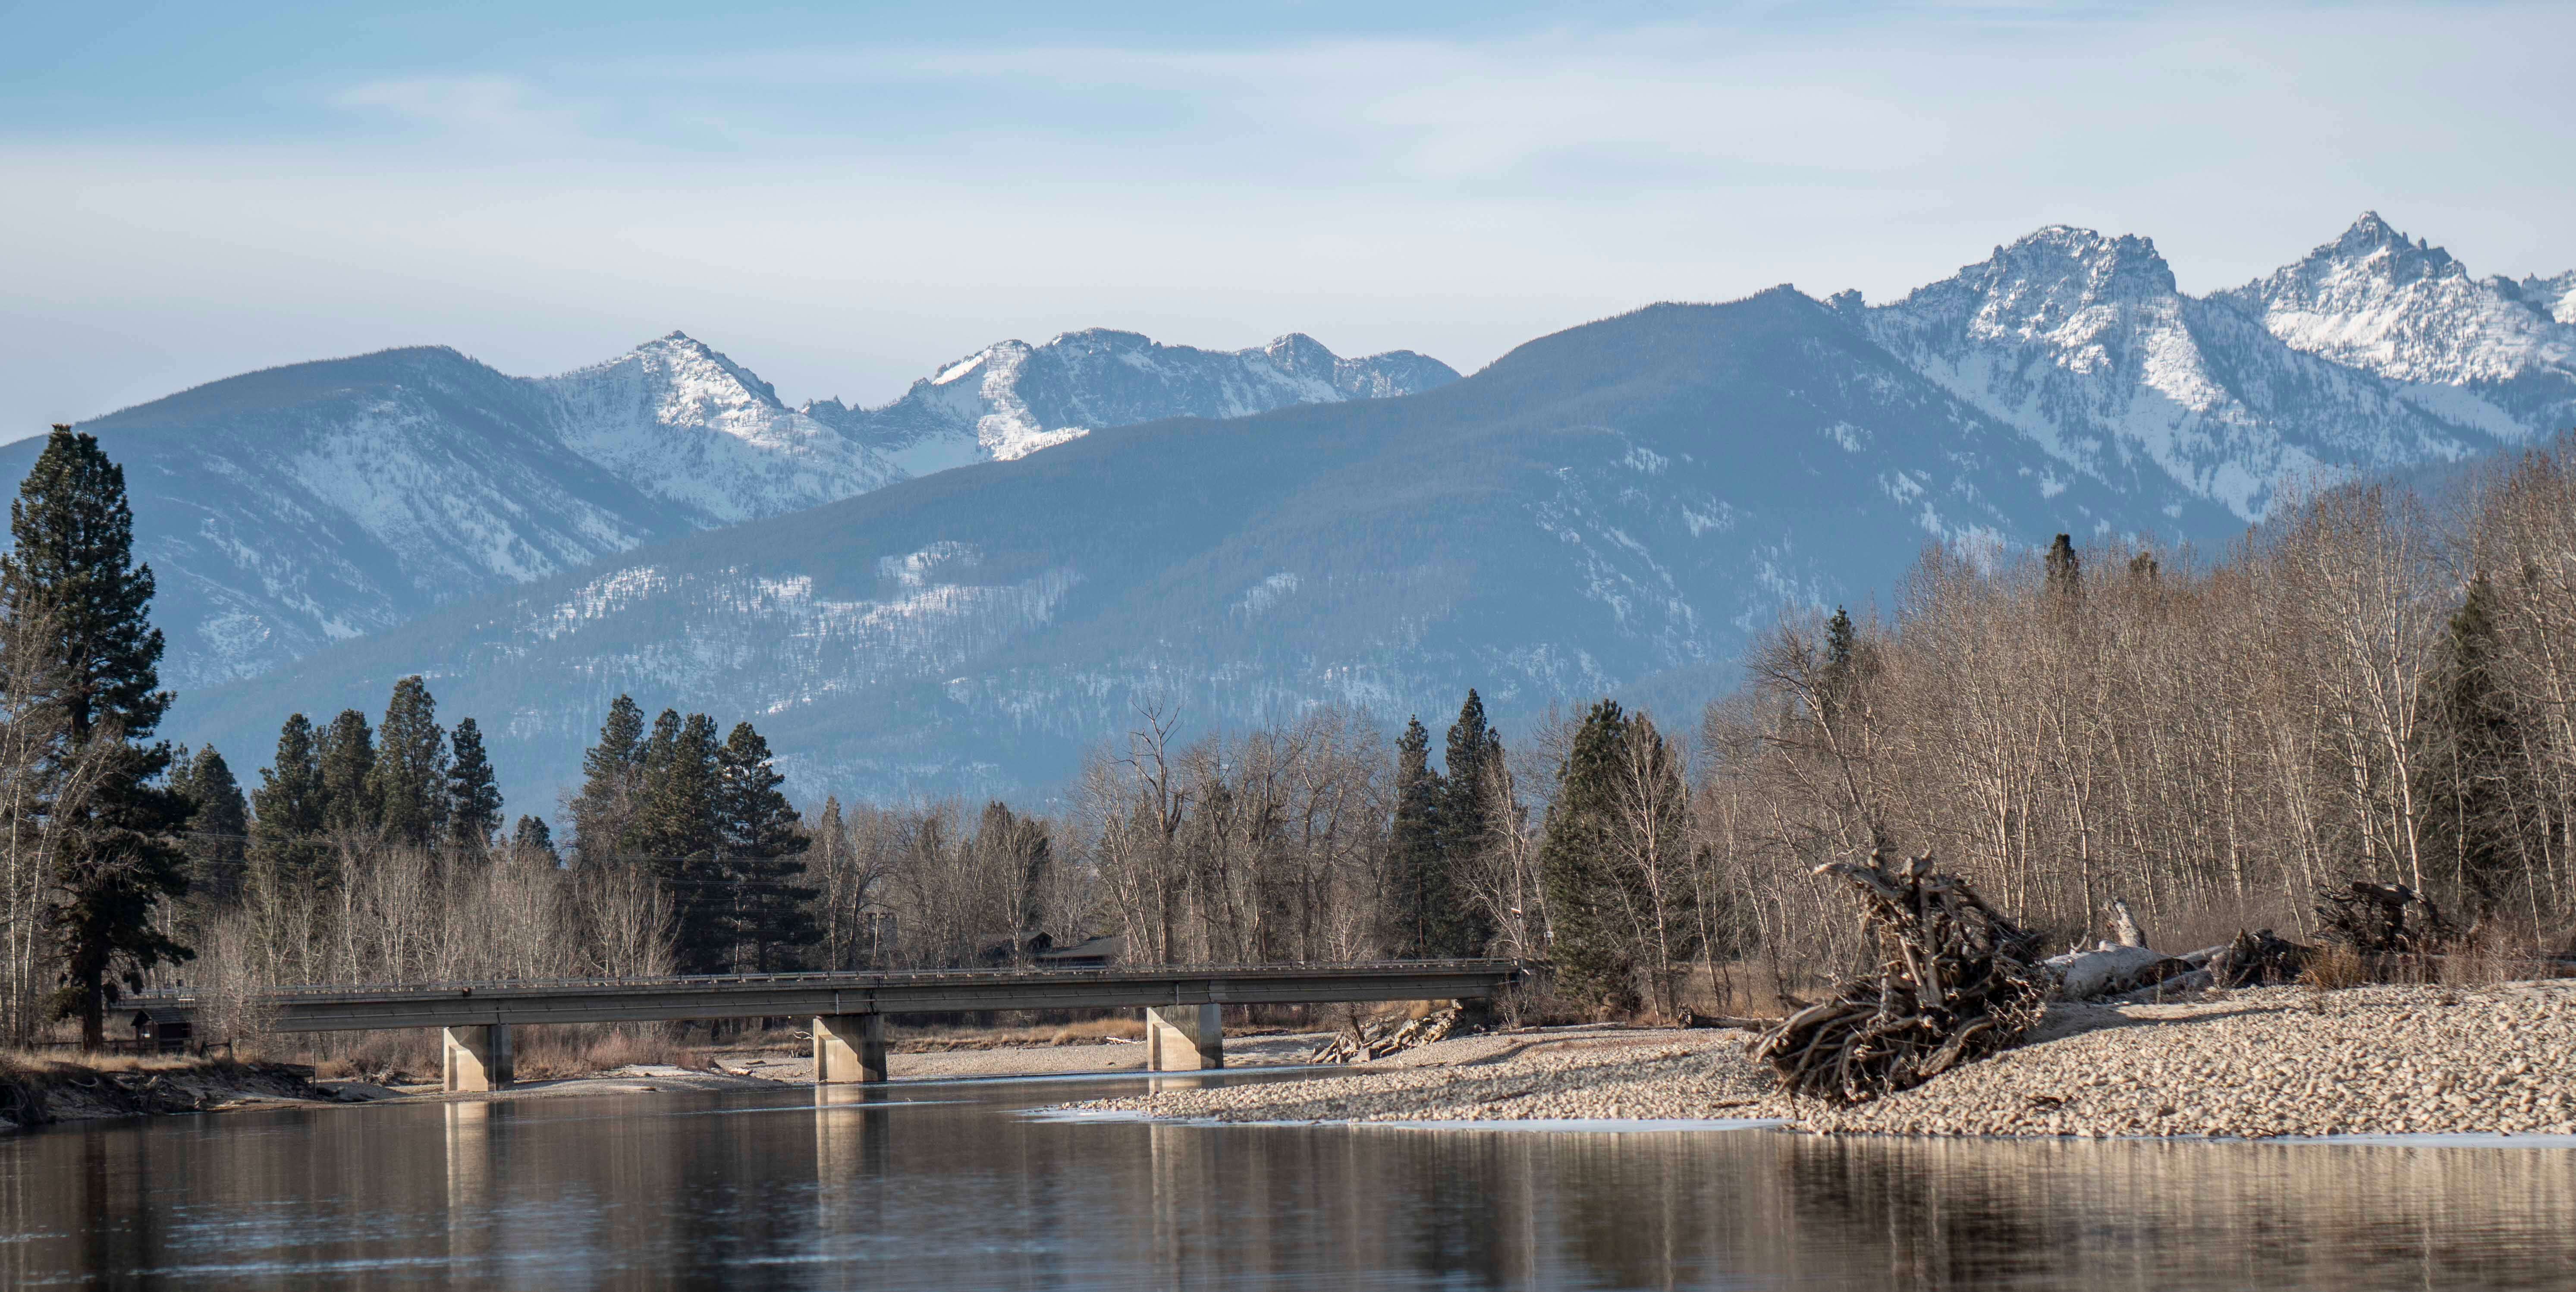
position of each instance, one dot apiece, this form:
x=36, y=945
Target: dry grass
x=2334, y=968
x=39, y=1063
x=539, y=1053
x=549, y=1053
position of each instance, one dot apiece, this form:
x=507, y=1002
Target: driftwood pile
x=2258, y=959
x=1378, y=1040
x=1956, y=982
x=2372, y=919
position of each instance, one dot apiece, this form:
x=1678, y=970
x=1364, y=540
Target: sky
x=844, y=198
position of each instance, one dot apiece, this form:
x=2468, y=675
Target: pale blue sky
x=843, y=199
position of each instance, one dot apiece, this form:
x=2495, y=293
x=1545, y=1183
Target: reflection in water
x=946, y=1187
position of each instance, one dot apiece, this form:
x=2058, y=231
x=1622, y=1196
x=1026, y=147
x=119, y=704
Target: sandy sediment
x=2259, y=1063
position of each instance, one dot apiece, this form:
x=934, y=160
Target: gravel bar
x=2261, y=1063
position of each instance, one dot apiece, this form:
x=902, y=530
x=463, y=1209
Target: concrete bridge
x=1181, y=1004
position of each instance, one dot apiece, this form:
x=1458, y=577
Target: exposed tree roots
x=2372, y=919
x=1956, y=982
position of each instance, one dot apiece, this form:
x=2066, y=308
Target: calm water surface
x=951, y=1186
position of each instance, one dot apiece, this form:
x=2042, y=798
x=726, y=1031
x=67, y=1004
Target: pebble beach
x=2258, y=1063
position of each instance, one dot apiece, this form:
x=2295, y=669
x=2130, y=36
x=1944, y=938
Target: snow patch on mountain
x=2490, y=353
x=2554, y=296
x=2083, y=343
x=1012, y=398
x=683, y=423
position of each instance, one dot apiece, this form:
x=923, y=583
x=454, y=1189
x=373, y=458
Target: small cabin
x=161, y=1028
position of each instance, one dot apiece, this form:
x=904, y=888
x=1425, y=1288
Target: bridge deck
x=334, y=1009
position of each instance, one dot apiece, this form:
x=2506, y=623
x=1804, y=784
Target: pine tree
x=531, y=838
x=679, y=829
x=217, y=847
x=1468, y=822
x=72, y=567
x=1842, y=666
x=1416, y=877
x=1577, y=864
x=2065, y=571
x=346, y=751
x=2466, y=754
x=292, y=813
x=409, y=779
x=764, y=844
x=473, y=807
x=1019, y=850
x=603, y=814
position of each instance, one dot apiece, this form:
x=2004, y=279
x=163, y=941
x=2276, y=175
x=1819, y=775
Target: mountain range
x=1612, y=509
x=288, y=509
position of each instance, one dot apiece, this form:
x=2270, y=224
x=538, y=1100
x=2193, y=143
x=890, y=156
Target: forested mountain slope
x=1618, y=502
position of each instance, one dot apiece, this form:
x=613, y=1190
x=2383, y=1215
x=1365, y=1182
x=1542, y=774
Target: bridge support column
x=849, y=1047
x=1184, y=1038
x=476, y=1058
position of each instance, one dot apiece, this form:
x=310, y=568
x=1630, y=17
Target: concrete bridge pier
x=476, y=1058
x=1184, y=1038
x=849, y=1047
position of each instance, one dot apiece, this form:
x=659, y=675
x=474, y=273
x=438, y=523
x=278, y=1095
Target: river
x=956, y=1186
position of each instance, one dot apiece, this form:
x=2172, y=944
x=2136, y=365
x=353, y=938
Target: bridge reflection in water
x=947, y=1185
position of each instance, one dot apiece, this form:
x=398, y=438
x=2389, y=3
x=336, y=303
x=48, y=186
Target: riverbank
x=2262, y=1063
x=37, y=1091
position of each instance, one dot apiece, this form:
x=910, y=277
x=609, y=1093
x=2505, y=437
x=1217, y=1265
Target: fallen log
x=1956, y=982
x=1688, y=1018
x=1377, y=1040
x=2083, y=975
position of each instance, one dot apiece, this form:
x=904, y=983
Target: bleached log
x=2083, y=975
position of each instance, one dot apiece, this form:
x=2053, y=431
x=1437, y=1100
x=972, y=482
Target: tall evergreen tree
x=292, y=812
x=217, y=844
x=678, y=827
x=1842, y=671
x=72, y=567
x=2065, y=570
x=346, y=751
x=473, y=807
x=2466, y=756
x=1469, y=820
x=764, y=843
x=1578, y=866
x=1019, y=851
x=1419, y=883
x=603, y=813
x=531, y=838
x=409, y=779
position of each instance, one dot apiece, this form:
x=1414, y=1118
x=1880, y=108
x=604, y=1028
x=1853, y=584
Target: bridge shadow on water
x=947, y=1185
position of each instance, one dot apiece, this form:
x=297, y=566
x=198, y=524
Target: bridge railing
x=871, y=977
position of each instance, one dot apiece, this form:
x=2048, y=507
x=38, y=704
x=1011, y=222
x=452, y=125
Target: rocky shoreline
x=2258, y=1063
x=43, y=1092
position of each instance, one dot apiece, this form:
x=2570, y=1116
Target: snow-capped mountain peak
x=685, y=424
x=2083, y=341
x=2405, y=309
x=1011, y=399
